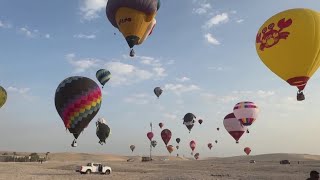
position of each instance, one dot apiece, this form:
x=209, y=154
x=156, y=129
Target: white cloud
x=81, y=65
x=83, y=36
x=170, y=62
x=180, y=88
x=183, y=79
x=18, y=90
x=4, y=25
x=216, y=68
x=90, y=8
x=216, y=20
x=139, y=99
x=210, y=39
x=170, y=116
x=32, y=33
x=204, y=7
x=240, y=20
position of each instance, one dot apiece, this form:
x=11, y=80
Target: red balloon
x=166, y=136
x=210, y=146
x=192, y=145
x=150, y=135
x=247, y=150
x=170, y=148
x=161, y=125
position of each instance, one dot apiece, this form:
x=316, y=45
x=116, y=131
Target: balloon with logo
x=3, y=96
x=77, y=100
x=103, y=76
x=166, y=136
x=247, y=150
x=154, y=143
x=170, y=148
x=157, y=91
x=103, y=130
x=196, y=156
x=246, y=112
x=160, y=125
x=150, y=135
x=234, y=126
x=135, y=19
x=288, y=44
x=210, y=146
x=132, y=147
x=192, y=145
x=188, y=120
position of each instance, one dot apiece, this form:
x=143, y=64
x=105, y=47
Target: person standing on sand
x=314, y=175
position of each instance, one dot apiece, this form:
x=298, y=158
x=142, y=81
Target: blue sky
x=201, y=52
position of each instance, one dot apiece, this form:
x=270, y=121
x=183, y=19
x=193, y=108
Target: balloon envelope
x=192, y=145
x=77, y=100
x=150, y=135
x=166, y=136
x=154, y=143
x=246, y=112
x=157, y=91
x=288, y=43
x=210, y=146
x=132, y=147
x=247, y=150
x=103, y=76
x=170, y=148
x=103, y=130
x=233, y=126
x=3, y=96
x=161, y=125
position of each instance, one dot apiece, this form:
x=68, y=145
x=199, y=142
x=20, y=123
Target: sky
x=201, y=52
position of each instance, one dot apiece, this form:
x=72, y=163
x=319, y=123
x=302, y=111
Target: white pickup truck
x=97, y=168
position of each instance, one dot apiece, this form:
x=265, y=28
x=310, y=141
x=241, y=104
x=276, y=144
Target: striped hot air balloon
x=246, y=112
x=103, y=76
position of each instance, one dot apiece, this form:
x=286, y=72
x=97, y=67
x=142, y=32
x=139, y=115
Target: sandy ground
x=266, y=167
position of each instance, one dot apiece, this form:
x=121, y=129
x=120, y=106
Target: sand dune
x=62, y=166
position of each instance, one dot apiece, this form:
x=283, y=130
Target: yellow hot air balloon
x=3, y=96
x=289, y=44
x=135, y=19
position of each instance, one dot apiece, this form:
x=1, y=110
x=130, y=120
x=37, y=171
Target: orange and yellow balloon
x=288, y=43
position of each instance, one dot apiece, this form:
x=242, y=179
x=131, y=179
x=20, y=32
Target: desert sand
x=62, y=166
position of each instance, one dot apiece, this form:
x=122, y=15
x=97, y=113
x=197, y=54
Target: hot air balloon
x=132, y=147
x=216, y=141
x=135, y=19
x=170, y=148
x=246, y=112
x=3, y=96
x=177, y=146
x=196, y=156
x=192, y=145
x=77, y=100
x=234, y=127
x=188, y=120
x=166, y=136
x=200, y=121
x=160, y=125
x=150, y=135
x=157, y=91
x=218, y=129
x=210, y=146
x=247, y=150
x=288, y=44
x=154, y=143
x=178, y=140
x=103, y=131
x=103, y=76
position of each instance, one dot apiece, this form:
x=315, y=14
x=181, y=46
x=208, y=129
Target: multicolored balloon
x=288, y=44
x=132, y=147
x=77, y=100
x=150, y=135
x=103, y=76
x=188, y=120
x=135, y=19
x=157, y=91
x=234, y=126
x=246, y=112
x=166, y=136
x=247, y=150
x=3, y=96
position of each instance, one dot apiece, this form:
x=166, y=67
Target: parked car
x=252, y=161
x=284, y=162
x=97, y=168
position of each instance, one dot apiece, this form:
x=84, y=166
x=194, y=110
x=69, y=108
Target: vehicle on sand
x=96, y=168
